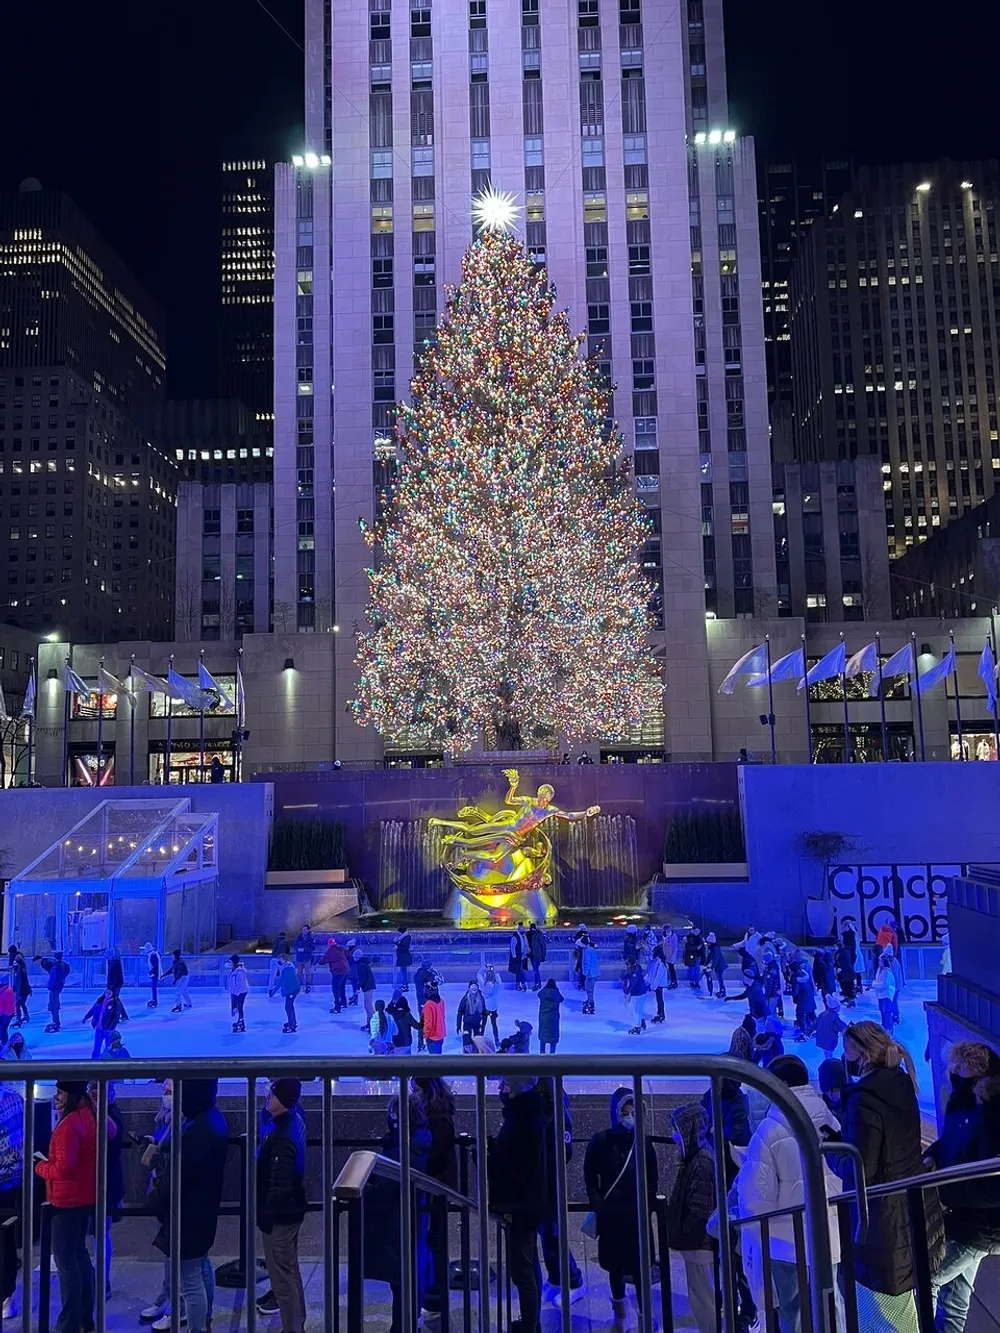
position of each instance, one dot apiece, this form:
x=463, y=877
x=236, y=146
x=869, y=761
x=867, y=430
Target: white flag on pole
x=832, y=664
x=28, y=707
x=789, y=667
x=750, y=664
x=241, y=699
x=211, y=686
x=866, y=659
x=74, y=684
x=146, y=681
x=112, y=685
x=188, y=691
x=987, y=673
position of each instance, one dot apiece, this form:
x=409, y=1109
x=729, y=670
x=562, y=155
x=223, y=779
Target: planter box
x=688, y=870
x=303, y=879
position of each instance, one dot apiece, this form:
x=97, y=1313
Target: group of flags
x=753, y=665
x=208, y=693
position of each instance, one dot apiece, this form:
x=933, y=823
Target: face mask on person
x=853, y=1068
x=627, y=1121
x=962, y=1085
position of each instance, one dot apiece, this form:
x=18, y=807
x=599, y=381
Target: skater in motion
x=636, y=991
x=288, y=986
x=279, y=948
x=305, y=951
x=104, y=1015
x=490, y=987
x=715, y=965
x=153, y=972
x=694, y=958
x=21, y=986
x=58, y=972
x=238, y=985
x=178, y=969
x=591, y=967
x=518, y=957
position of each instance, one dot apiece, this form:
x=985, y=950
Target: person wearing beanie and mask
x=204, y=1147
x=715, y=965
x=970, y=1133
x=829, y=1026
x=517, y=1166
x=691, y=1205
x=281, y=1201
x=69, y=1173
x=609, y=1175
x=238, y=985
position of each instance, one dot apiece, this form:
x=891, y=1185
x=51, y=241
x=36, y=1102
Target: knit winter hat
x=72, y=1088
x=741, y=1045
x=833, y=1002
x=288, y=1091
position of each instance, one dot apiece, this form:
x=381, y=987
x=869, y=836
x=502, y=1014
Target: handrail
x=360, y=1166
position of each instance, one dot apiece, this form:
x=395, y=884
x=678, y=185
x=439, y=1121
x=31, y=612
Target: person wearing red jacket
x=339, y=964
x=432, y=1016
x=70, y=1174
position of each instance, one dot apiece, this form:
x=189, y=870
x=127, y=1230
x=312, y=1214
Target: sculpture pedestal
x=504, y=908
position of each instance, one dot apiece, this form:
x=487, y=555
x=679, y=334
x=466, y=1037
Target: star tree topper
x=495, y=210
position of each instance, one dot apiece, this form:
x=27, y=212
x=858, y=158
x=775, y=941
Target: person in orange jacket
x=69, y=1173
x=432, y=1016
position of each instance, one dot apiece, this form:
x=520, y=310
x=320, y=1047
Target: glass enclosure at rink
x=470, y=1192
x=128, y=873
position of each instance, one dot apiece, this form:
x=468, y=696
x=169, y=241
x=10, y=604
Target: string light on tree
x=495, y=210
x=508, y=603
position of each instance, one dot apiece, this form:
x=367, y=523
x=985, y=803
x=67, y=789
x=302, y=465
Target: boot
x=618, y=1311
x=52, y=1027
x=286, y=1028
x=176, y=1009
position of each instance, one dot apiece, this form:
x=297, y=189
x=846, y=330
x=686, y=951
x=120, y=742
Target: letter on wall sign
x=915, y=896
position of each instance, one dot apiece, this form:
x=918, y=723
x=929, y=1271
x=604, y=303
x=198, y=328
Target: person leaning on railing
x=881, y=1119
x=970, y=1133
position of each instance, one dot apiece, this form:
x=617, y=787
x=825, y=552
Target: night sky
x=131, y=108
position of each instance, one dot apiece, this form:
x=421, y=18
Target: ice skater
x=238, y=985
x=152, y=955
x=518, y=956
x=694, y=958
x=336, y=960
x=578, y=944
x=804, y=998
x=550, y=997
x=180, y=972
x=537, y=950
x=670, y=944
x=715, y=965
x=490, y=987
x=635, y=991
x=656, y=980
x=829, y=1027
x=289, y=987
x=58, y=972
x=305, y=951
x=404, y=958
x=279, y=947
x=470, y=1020
x=591, y=965
x=103, y=1015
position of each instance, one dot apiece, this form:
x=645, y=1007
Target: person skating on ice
x=288, y=988
x=694, y=958
x=656, y=980
x=178, y=969
x=491, y=988
x=152, y=956
x=715, y=967
x=591, y=965
x=58, y=971
x=305, y=951
x=670, y=944
x=238, y=985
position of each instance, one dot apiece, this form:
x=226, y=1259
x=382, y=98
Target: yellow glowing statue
x=508, y=850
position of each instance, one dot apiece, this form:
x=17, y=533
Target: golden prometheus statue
x=491, y=857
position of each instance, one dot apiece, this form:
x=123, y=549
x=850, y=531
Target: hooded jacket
x=616, y=1205
x=550, y=997
x=205, y=1141
x=490, y=987
x=693, y=1199
x=771, y=1179
x=669, y=943
x=971, y=1133
x=656, y=976
x=881, y=1119
x=590, y=963
x=237, y=980
x=518, y=1160
x=694, y=948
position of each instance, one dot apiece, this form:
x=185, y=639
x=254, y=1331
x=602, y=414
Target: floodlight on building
x=858, y=213
x=325, y=159
x=729, y=136
x=298, y=160
x=715, y=136
x=289, y=664
x=701, y=137
x=312, y=160
x=966, y=185
x=924, y=186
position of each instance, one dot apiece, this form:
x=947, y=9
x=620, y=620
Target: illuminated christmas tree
x=507, y=603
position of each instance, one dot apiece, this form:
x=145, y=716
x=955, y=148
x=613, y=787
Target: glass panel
x=88, y=922
x=135, y=923
x=209, y=893
x=189, y=934
x=172, y=921
x=36, y=925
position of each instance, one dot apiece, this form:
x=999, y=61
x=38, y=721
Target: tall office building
x=792, y=196
x=217, y=440
x=895, y=327
x=87, y=498
x=246, y=325
x=607, y=118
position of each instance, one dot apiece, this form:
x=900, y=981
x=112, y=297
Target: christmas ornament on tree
x=507, y=603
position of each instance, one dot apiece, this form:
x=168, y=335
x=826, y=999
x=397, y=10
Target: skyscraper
x=246, y=327
x=87, y=496
x=793, y=194
x=895, y=331
x=607, y=119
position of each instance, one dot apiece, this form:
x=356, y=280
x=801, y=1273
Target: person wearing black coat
x=281, y=1199
x=753, y=993
x=537, y=950
x=404, y=957
x=694, y=957
x=970, y=1133
x=21, y=987
x=381, y=1217
x=204, y=1144
x=609, y=1174
x=881, y=1118
x=115, y=1176
x=518, y=1169
x=548, y=1232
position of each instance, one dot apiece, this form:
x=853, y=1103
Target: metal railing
x=344, y=1196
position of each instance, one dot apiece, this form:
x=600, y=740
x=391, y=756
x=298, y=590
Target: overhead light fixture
x=926, y=650
x=729, y=136
x=289, y=664
x=701, y=137
x=312, y=160
x=858, y=213
x=52, y=674
x=924, y=186
x=298, y=160
x=53, y=637
x=715, y=136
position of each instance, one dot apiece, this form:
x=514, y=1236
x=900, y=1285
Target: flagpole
x=131, y=736
x=170, y=726
x=805, y=672
x=240, y=709
x=996, y=706
x=31, y=719
x=958, y=706
x=100, y=722
x=881, y=698
x=770, y=697
x=201, y=725
x=65, y=781
x=920, y=706
x=847, y=723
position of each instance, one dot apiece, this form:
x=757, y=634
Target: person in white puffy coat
x=490, y=987
x=771, y=1179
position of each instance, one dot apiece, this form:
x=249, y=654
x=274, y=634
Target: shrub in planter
x=700, y=837
x=306, y=844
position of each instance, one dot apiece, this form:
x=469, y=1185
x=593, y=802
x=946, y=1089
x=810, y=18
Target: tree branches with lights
x=507, y=603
